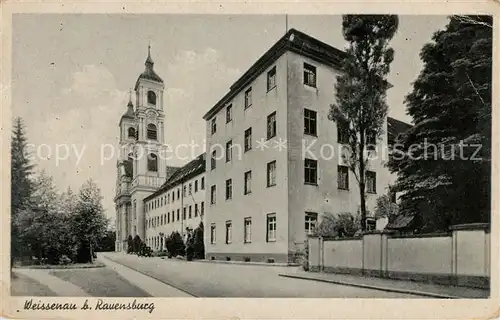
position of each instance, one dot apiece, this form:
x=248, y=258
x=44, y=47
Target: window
x=178, y=194
x=271, y=227
x=213, y=161
x=202, y=183
x=229, y=189
x=248, y=97
x=371, y=224
x=184, y=191
x=173, y=196
x=195, y=186
x=214, y=125
x=152, y=162
x=310, y=171
x=190, y=188
x=310, y=122
x=271, y=78
x=168, y=216
x=161, y=202
x=195, y=210
x=151, y=97
x=342, y=132
x=131, y=132
x=178, y=214
x=248, y=182
x=184, y=213
x=202, y=210
x=371, y=140
x=212, y=233
x=152, y=132
x=248, y=230
x=271, y=174
x=271, y=125
x=343, y=177
x=190, y=214
x=371, y=182
x=213, y=193
x=229, y=227
x=311, y=220
x=309, y=75
x=161, y=220
x=248, y=139
x=229, y=152
x=168, y=198
x=229, y=113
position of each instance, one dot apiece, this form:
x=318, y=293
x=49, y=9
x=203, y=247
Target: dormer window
x=131, y=133
x=152, y=132
x=151, y=98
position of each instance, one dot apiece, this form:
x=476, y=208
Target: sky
x=71, y=76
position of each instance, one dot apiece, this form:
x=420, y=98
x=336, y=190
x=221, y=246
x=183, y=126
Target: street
x=205, y=279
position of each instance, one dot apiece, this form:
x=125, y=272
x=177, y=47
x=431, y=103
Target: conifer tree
x=443, y=179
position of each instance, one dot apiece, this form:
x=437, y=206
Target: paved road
x=204, y=279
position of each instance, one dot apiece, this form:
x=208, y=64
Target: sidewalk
x=60, y=287
x=391, y=285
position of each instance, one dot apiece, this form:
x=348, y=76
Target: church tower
x=141, y=167
x=149, y=156
x=124, y=176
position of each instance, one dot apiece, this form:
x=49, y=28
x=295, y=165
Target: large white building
x=273, y=166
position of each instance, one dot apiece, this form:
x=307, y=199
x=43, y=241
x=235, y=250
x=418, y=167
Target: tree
x=89, y=222
x=444, y=181
x=360, y=110
x=341, y=225
x=130, y=244
x=21, y=186
x=199, y=246
x=385, y=207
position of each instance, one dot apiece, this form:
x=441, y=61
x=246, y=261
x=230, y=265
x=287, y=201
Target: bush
x=198, y=245
x=130, y=244
x=175, y=245
x=305, y=256
x=64, y=260
x=145, y=251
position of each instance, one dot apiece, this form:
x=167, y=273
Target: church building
x=144, y=180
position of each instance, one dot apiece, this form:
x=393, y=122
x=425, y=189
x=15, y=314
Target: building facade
x=178, y=206
x=274, y=163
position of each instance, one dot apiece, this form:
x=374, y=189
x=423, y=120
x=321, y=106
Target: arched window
x=152, y=162
x=151, y=98
x=131, y=132
x=152, y=134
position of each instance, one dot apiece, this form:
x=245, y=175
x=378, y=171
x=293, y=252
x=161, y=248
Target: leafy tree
x=175, y=245
x=89, y=222
x=342, y=225
x=21, y=186
x=442, y=180
x=107, y=243
x=385, y=207
x=360, y=108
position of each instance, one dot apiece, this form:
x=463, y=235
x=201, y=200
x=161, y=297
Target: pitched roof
x=394, y=128
x=149, y=72
x=400, y=222
x=182, y=174
x=294, y=41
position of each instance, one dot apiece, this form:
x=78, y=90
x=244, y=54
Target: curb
x=366, y=286
x=265, y=264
